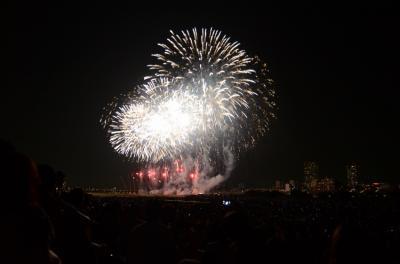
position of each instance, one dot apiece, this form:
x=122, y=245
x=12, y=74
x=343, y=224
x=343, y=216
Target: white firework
x=203, y=91
x=242, y=84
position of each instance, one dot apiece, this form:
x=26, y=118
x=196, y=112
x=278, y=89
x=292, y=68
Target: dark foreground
x=249, y=228
x=253, y=228
x=40, y=223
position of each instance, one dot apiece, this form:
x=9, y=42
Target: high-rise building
x=352, y=171
x=326, y=185
x=311, y=171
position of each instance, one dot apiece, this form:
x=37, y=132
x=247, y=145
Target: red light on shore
x=193, y=175
x=139, y=174
x=151, y=173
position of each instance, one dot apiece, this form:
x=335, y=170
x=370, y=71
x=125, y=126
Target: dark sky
x=336, y=68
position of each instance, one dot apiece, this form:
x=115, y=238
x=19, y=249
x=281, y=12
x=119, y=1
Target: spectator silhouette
x=25, y=227
x=151, y=241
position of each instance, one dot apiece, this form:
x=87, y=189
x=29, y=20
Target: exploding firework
x=156, y=122
x=235, y=87
x=203, y=94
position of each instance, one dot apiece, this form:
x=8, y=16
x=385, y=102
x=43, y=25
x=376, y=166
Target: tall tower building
x=353, y=172
x=311, y=171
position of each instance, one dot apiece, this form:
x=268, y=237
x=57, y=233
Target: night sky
x=336, y=70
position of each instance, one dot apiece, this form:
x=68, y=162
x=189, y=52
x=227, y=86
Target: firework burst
x=236, y=87
x=202, y=92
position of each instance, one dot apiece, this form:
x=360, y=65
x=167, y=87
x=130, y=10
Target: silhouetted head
x=19, y=179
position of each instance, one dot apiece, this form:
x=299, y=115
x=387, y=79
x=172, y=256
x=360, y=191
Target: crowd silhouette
x=42, y=223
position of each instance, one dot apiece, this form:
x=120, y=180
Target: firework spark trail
x=203, y=91
x=220, y=72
